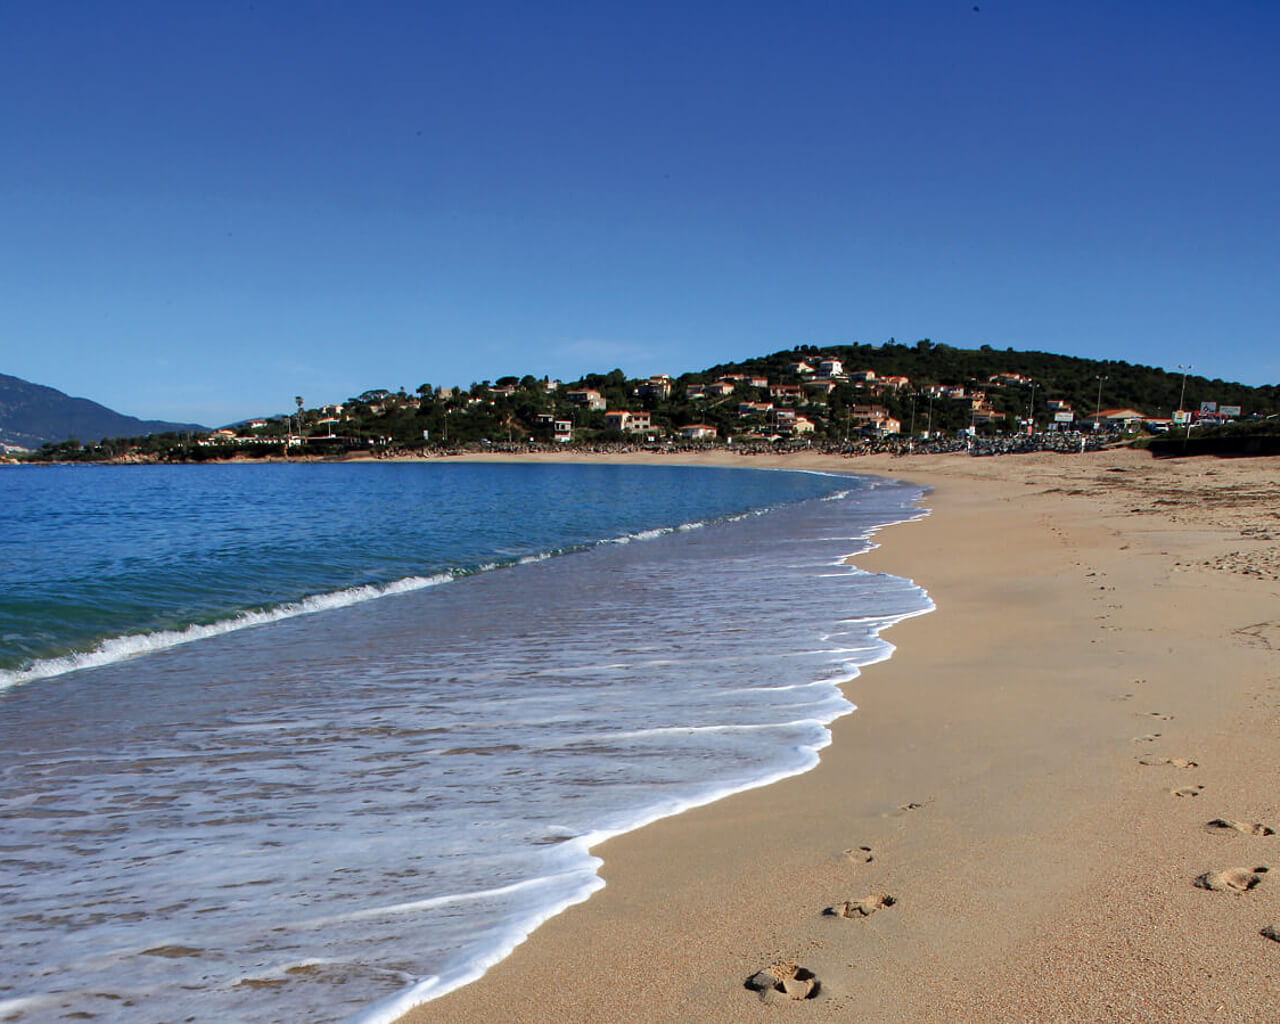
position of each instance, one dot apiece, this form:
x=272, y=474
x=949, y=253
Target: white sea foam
x=807, y=756
x=133, y=645
x=433, y=779
x=389, y=1010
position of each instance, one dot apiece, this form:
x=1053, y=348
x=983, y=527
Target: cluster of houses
x=761, y=418
x=765, y=409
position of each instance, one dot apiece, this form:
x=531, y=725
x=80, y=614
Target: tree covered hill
x=525, y=408
x=32, y=415
x=1068, y=378
x=877, y=390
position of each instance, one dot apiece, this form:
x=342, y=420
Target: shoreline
x=844, y=659
x=994, y=771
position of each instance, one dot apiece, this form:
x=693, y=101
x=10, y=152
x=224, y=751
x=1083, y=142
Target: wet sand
x=1015, y=824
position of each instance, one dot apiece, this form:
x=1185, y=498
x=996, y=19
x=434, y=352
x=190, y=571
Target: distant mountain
x=32, y=415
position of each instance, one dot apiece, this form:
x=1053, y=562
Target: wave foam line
x=391, y=1009
x=394, y=1007
x=430, y=988
x=132, y=645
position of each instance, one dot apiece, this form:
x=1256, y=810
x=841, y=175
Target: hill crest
x=34, y=414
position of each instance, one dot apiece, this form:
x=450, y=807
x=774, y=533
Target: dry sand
x=1016, y=823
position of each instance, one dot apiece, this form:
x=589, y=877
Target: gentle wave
x=389, y=1010
x=135, y=645
x=394, y=1007
x=569, y=707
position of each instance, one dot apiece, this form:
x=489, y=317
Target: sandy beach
x=1016, y=825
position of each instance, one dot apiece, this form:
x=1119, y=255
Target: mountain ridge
x=34, y=414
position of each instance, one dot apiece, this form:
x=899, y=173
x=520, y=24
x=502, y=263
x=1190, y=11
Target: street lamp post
x=1181, y=398
x=1097, y=413
x=1031, y=410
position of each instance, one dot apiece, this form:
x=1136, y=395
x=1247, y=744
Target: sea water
x=319, y=742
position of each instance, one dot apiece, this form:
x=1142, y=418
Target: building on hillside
x=831, y=368
x=755, y=408
x=655, y=387
x=1008, y=378
x=894, y=383
x=875, y=418
x=628, y=421
x=791, y=393
x=698, y=432
x=587, y=398
x=716, y=389
x=562, y=430
x=788, y=424
x=955, y=391
x=758, y=382
x=800, y=368
x=820, y=386
x=863, y=376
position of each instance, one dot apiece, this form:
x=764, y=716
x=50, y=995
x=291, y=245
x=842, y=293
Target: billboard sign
x=1181, y=416
x=1208, y=408
x=1064, y=417
x=1230, y=412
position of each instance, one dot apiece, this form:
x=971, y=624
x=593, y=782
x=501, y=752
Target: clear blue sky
x=207, y=208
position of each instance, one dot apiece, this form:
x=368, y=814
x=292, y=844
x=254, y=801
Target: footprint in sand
x=1159, y=715
x=913, y=805
x=1176, y=762
x=1272, y=932
x=859, y=854
x=1187, y=791
x=1255, y=828
x=788, y=978
x=861, y=908
x=1150, y=737
x=1231, y=880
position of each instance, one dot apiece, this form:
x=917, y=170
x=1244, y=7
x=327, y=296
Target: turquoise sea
x=287, y=742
